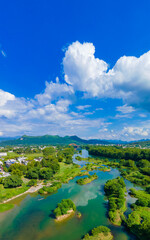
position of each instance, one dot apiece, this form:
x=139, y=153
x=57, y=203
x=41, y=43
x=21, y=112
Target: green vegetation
x=133, y=163
x=143, y=144
x=67, y=172
x=104, y=169
x=79, y=215
x=115, y=191
x=79, y=158
x=18, y=169
x=50, y=189
x=143, y=198
x=91, y=166
x=12, y=181
x=120, y=153
x=5, y=207
x=6, y=193
x=32, y=182
x=99, y=233
x=56, y=167
x=64, y=207
x=49, y=140
x=138, y=222
x=96, y=164
x=85, y=180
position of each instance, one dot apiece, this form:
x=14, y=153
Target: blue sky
x=75, y=68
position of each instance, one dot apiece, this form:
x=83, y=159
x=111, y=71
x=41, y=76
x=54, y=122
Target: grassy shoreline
x=86, y=180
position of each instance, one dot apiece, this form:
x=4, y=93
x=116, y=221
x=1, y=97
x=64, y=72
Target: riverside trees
x=115, y=191
x=63, y=207
x=100, y=232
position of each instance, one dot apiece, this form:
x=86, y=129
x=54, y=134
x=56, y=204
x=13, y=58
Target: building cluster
x=9, y=162
x=39, y=159
x=21, y=160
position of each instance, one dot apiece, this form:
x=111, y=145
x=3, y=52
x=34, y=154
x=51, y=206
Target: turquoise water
x=32, y=217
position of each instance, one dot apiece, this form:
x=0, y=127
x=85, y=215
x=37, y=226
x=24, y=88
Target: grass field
x=6, y=193
x=67, y=172
x=6, y=207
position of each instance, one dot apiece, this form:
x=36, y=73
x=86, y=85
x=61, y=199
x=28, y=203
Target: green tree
x=12, y=181
x=45, y=173
x=33, y=173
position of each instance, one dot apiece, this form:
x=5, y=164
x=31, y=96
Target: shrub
x=33, y=173
x=64, y=207
x=32, y=182
x=45, y=173
x=12, y=181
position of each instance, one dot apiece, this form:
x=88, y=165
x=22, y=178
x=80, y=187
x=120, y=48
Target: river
x=31, y=218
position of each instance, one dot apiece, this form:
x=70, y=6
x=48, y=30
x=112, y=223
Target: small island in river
x=64, y=209
x=99, y=233
x=85, y=180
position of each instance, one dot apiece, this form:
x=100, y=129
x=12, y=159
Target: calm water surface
x=32, y=217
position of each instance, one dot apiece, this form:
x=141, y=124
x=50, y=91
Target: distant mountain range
x=7, y=138
x=50, y=140
x=144, y=143
x=57, y=140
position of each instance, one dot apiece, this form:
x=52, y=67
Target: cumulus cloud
x=54, y=91
x=125, y=109
x=128, y=133
x=129, y=79
x=82, y=107
x=5, y=97
x=134, y=131
x=99, y=109
x=11, y=106
x=82, y=70
x=142, y=115
x=51, y=111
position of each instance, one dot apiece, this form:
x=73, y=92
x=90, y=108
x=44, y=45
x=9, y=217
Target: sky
x=75, y=68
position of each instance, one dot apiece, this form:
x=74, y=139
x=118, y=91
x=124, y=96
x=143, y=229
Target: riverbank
x=30, y=190
x=86, y=180
x=65, y=216
x=89, y=199
x=99, y=233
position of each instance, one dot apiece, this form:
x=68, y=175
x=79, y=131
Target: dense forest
x=119, y=152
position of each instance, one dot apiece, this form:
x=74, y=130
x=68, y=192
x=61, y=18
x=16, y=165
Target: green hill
x=50, y=140
x=140, y=143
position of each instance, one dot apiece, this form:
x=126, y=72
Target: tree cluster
x=63, y=207
x=115, y=192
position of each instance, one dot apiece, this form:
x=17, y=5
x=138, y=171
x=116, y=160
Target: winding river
x=31, y=218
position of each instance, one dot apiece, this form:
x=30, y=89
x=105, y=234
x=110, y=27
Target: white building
x=1, y=163
x=3, y=154
x=9, y=162
x=5, y=174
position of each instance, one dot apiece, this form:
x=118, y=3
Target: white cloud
x=54, y=91
x=134, y=131
x=82, y=70
x=128, y=133
x=142, y=115
x=125, y=109
x=11, y=106
x=82, y=107
x=99, y=109
x=129, y=79
x=50, y=112
x=122, y=116
x=5, y=97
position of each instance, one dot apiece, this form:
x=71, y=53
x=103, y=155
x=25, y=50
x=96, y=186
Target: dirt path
x=30, y=190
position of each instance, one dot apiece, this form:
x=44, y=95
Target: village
x=20, y=159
